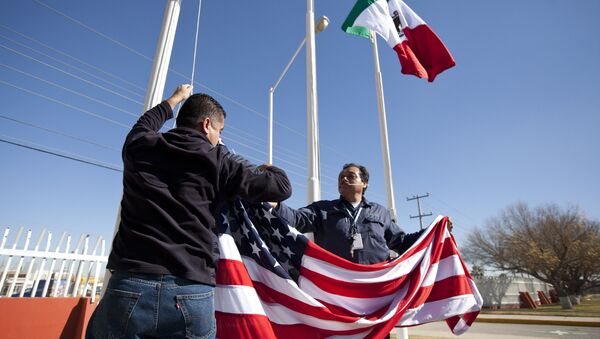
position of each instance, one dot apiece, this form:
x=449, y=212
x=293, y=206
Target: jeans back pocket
x=113, y=313
x=199, y=314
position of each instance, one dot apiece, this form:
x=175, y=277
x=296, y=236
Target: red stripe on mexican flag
x=419, y=49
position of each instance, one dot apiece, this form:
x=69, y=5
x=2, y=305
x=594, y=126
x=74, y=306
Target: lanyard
x=353, y=228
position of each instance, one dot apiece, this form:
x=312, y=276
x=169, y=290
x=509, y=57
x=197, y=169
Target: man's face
x=350, y=183
x=213, y=133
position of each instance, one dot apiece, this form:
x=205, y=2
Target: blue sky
x=515, y=120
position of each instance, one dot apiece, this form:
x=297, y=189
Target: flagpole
x=385, y=149
x=402, y=332
x=158, y=77
x=313, y=189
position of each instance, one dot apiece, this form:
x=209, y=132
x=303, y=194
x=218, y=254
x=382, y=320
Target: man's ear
x=205, y=125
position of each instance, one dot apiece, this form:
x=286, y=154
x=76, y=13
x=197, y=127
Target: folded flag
x=420, y=50
x=273, y=282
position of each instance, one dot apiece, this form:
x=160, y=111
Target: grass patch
x=590, y=307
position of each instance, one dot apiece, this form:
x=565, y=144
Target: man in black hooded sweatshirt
x=163, y=255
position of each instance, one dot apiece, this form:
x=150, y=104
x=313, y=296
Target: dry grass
x=590, y=307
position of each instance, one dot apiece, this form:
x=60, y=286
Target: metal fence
x=48, y=270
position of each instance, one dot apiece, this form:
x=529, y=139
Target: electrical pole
x=421, y=215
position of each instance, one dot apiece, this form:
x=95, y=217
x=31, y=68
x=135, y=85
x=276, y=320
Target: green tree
x=557, y=246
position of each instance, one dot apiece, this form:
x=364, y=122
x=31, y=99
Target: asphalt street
x=505, y=331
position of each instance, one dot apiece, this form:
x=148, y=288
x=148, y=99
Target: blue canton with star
x=261, y=235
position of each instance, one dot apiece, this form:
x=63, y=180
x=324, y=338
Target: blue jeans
x=139, y=305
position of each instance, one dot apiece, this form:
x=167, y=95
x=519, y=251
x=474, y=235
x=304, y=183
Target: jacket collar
x=341, y=203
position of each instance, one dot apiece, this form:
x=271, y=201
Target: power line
x=72, y=66
x=94, y=30
x=331, y=149
x=70, y=90
x=71, y=75
x=62, y=155
x=58, y=133
x=65, y=104
x=74, y=58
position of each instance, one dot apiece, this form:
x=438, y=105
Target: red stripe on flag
x=232, y=272
x=353, y=289
x=243, y=326
x=302, y=331
x=447, y=288
x=317, y=252
x=271, y=296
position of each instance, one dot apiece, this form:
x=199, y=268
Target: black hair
x=364, y=173
x=197, y=108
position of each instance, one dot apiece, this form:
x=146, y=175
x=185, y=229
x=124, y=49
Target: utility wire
x=62, y=155
x=72, y=66
x=329, y=179
x=95, y=31
x=333, y=150
x=71, y=75
x=70, y=90
x=65, y=104
x=74, y=58
x=58, y=133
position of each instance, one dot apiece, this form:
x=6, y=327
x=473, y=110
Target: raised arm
x=153, y=119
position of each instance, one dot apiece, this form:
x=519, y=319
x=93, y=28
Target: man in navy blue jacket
x=163, y=256
x=351, y=227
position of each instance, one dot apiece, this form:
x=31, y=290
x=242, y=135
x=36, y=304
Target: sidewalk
x=539, y=320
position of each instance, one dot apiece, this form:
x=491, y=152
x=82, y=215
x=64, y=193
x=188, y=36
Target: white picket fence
x=59, y=270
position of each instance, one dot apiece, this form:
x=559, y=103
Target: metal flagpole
x=158, y=77
x=385, y=148
x=313, y=189
x=162, y=56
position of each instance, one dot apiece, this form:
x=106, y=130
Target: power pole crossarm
x=421, y=215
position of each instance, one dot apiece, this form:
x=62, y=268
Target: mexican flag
x=420, y=50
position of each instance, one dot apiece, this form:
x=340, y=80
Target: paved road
x=505, y=331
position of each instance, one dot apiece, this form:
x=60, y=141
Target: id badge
x=357, y=243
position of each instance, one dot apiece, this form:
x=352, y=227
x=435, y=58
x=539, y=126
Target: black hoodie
x=173, y=185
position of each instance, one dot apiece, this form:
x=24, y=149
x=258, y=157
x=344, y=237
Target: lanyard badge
x=357, y=243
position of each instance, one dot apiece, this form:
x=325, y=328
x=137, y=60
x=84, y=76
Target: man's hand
x=181, y=93
x=264, y=166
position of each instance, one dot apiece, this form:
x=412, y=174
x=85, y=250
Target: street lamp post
x=320, y=27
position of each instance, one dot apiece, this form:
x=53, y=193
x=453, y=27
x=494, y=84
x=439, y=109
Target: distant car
x=38, y=292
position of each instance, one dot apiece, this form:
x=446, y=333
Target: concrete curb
x=557, y=322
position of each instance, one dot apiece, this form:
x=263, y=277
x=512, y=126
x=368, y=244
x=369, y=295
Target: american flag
x=273, y=282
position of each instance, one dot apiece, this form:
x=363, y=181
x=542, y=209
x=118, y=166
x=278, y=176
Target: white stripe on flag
x=359, y=305
x=438, y=310
x=384, y=274
x=237, y=299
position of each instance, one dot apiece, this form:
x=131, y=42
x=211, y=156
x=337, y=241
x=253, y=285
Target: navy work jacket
x=331, y=222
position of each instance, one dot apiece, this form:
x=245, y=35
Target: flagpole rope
x=196, y=41
x=194, y=57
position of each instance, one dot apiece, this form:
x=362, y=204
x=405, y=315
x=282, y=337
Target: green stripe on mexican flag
x=419, y=49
